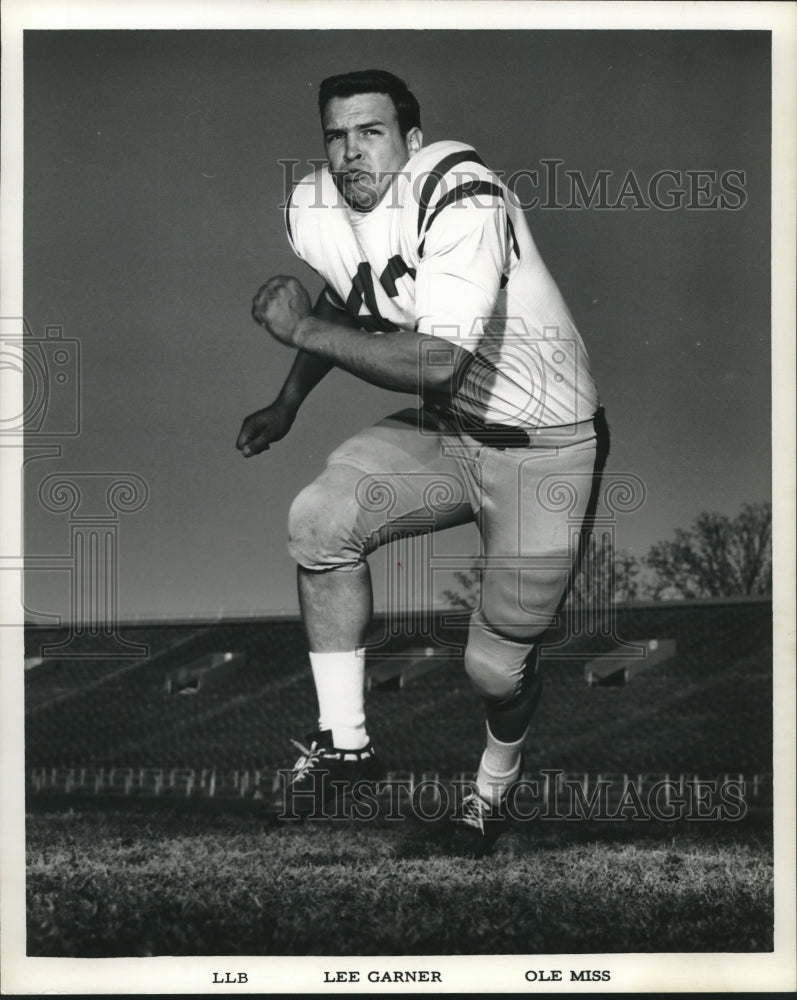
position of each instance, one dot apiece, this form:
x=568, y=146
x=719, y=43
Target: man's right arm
x=261, y=428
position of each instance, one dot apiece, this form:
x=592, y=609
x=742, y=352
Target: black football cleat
x=477, y=825
x=325, y=779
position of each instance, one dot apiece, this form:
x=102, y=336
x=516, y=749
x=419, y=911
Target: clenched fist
x=280, y=305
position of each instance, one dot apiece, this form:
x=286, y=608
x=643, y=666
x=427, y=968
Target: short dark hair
x=373, y=81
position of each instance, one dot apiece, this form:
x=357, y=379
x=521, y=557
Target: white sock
x=499, y=767
x=339, y=681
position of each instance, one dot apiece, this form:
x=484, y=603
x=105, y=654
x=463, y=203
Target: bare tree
x=718, y=557
x=603, y=575
x=466, y=596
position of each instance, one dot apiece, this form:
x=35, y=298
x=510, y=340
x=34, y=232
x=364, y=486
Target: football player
x=433, y=287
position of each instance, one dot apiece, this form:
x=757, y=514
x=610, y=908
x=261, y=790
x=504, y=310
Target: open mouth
x=358, y=187
x=353, y=176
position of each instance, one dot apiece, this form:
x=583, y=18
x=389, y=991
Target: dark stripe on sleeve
x=436, y=175
x=511, y=230
x=458, y=194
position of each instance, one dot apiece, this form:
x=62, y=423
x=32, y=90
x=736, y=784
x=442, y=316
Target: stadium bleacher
x=119, y=727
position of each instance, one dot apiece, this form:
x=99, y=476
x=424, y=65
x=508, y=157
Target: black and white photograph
x=397, y=442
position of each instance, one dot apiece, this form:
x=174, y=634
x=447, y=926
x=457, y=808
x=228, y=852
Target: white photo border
x=466, y=973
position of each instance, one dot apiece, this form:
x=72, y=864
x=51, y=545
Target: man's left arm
x=401, y=361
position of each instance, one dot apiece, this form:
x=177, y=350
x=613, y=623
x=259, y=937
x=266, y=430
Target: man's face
x=365, y=146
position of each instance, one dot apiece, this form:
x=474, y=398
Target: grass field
x=121, y=883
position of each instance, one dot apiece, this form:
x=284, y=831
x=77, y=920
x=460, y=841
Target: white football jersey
x=447, y=253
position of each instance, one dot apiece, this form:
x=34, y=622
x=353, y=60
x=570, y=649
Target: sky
x=155, y=166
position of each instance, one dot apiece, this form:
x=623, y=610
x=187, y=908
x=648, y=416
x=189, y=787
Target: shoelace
x=307, y=761
x=473, y=812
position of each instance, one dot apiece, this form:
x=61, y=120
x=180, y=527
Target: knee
x=322, y=527
x=487, y=679
x=495, y=664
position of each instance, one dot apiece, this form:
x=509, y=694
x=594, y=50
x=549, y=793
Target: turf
x=139, y=884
